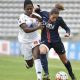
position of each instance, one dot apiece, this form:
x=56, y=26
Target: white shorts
x=26, y=49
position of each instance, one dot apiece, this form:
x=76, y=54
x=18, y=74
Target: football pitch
x=13, y=68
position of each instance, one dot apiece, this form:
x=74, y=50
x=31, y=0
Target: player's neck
x=27, y=14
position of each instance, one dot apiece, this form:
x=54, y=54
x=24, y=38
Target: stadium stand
x=11, y=9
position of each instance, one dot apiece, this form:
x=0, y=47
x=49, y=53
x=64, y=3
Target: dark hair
x=26, y=2
x=38, y=5
x=54, y=11
x=37, y=10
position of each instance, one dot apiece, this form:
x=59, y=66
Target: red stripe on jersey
x=48, y=35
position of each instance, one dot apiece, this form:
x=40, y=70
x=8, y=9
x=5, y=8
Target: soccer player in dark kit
x=51, y=39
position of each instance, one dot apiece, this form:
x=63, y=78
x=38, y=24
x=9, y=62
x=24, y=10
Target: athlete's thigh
x=36, y=52
x=35, y=48
x=44, y=48
x=26, y=51
x=59, y=48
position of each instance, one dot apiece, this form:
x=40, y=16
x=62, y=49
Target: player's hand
x=67, y=34
x=40, y=25
x=36, y=16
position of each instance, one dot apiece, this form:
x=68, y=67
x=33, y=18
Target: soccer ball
x=61, y=76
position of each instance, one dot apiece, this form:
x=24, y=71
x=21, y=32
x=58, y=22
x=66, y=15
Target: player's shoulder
x=23, y=16
x=45, y=12
x=60, y=18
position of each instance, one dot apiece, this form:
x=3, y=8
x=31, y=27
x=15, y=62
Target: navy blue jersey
x=50, y=31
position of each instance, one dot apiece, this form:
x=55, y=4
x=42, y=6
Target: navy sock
x=69, y=68
x=44, y=63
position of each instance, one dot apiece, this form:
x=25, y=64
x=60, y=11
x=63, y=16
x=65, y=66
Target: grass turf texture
x=13, y=68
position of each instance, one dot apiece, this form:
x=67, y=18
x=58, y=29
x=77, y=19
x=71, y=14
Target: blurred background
x=9, y=13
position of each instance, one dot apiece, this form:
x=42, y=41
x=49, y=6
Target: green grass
x=12, y=68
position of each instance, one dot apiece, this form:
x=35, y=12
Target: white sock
x=38, y=68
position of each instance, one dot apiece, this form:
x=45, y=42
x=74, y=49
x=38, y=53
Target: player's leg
x=67, y=65
x=43, y=51
x=26, y=51
x=59, y=48
x=29, y=63
x=37, y=62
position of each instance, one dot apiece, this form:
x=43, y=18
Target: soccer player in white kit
x=29, y=38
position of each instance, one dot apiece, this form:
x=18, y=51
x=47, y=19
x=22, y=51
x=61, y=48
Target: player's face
x=53, y=17
x=28, y=9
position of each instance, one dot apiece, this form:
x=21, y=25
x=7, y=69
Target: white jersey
x=24, y=37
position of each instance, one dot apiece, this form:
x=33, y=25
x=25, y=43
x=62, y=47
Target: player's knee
x=63, y=58
x=43, y=49
x=36, y=57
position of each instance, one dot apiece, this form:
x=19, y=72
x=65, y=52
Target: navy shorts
x=57, y=46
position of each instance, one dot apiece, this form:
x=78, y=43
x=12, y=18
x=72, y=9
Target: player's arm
x=28, y=30
x=65, y=27
x=36, y=16
x=24, y=26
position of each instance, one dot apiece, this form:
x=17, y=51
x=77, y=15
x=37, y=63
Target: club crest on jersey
x=50, y=26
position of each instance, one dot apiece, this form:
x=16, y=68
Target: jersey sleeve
x=64, y=26
x=21, y=20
